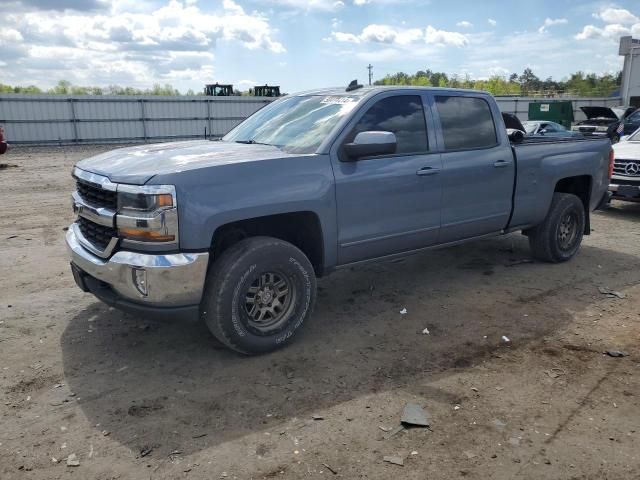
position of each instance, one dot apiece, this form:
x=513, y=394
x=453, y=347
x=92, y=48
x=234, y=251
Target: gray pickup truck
x=237, y=230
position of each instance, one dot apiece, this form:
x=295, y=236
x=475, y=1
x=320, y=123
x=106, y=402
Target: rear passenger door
x=478, y=170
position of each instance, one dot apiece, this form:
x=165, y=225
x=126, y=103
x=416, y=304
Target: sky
x=302, y=44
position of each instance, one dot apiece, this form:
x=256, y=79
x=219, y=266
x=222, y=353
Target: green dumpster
x=554, y=111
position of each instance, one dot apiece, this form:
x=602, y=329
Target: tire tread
x=219, y=276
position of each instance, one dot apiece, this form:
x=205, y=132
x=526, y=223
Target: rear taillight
x=611, y=160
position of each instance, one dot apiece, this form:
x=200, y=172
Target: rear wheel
x=558, y=238
x=258, y=294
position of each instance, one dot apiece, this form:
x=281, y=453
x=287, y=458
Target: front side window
x=404, y=116
x=466, y=122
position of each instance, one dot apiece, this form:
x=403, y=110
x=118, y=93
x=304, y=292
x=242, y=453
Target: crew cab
x=237, y=230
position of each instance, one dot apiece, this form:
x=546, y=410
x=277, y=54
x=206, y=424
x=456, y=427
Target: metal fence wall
x=103, y=119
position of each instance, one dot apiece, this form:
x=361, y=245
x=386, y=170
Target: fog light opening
x=140, y=280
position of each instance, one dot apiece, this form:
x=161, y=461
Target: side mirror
x=369, y=144
x=515, y=136
x=543, y=131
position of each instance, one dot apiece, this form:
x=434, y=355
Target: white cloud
x=376, y=33
x=498, y=71
x=345, y=37
x=322, y=5
x=610, y=32
x=617, y=15
x=464, y=24
x=618, y=22
x=360, y=2
x=549, y=22
x=232, y=7
x=173, y=42
x=9, y=35
x=442, y=37
x=492, y=22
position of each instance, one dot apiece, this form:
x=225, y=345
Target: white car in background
x=625, y=181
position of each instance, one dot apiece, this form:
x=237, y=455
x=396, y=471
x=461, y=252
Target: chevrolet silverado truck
x=237, y=230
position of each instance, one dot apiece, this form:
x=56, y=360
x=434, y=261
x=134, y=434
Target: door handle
x=424, y=171
x=502, y=163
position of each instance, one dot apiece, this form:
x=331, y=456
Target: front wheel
x=258, y=294
x=558, y=237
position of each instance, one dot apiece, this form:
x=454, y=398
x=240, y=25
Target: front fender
x=211, y=197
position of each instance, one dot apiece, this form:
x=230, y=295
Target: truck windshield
x=294, y=124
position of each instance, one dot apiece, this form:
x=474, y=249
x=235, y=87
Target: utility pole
x=370, y=68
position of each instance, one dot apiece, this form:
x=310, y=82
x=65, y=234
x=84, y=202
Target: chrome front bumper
x=172, y=280
x=625, y=192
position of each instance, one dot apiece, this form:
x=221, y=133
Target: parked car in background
x=3, y=143
x=237, y=230
x=632, y=122
x=548, y=129
x=603, y=122
x=625, y=182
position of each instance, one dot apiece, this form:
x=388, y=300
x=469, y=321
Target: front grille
x=96, y=196
x=587, y=129
x=98, y=235
x=628, y=168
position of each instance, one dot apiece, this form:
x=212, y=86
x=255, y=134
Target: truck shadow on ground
x=628, y=211
x=170, y=386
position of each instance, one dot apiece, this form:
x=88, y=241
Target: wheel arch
x=300, y=228
x=580, y=186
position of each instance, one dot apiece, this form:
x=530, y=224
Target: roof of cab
x=371, y=90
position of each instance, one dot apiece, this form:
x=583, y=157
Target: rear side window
x=402, y=115
x=466, y=123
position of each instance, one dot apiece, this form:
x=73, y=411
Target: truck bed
x=542, y=162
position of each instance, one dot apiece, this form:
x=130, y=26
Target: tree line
x=64, y=87
x=525, y=84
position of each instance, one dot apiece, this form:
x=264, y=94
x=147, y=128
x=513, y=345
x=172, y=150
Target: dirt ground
x=136, y=398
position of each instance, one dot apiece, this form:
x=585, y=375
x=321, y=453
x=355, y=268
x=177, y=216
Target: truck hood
x=627, y=150
x=137, y=165
x=599, y=112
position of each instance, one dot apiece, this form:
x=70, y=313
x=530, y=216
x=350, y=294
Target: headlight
x=148, y=214
x=141, y=202
x=575, y=128
x=602, y=129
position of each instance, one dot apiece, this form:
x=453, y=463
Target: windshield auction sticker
x=338, y=100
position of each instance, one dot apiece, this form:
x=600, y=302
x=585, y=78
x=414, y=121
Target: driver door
x=390, y=203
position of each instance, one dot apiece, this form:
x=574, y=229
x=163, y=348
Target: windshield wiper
x=252, y=142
